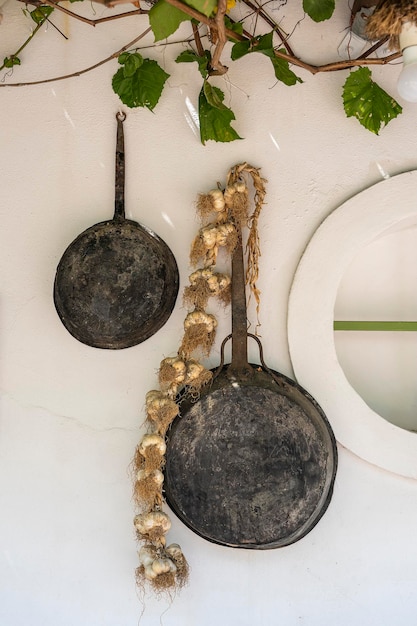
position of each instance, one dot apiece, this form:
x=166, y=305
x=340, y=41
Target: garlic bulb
x=228, y=194
x=204, y=273
x=155, y=475
x=211, y=201
x=147, y=554
x=163, y=565
x=217, y=199
x=218, y=282
x=161, y=411
x=158, y=404
x=154, y=394
x=209, y=236
x=213, y=283
x=224, y=281
x=149, y=572
x=145, y=523
x=178, y=369
x=238, y=187
x=152, y=440
x=223, y=232
x=174, y=551
x=194, y=370
x=200, y=317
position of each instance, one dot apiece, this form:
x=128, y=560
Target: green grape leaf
x=319, y=10
x=214, y=96
x=240, y=49
x=164, y=19
x=368, y=102
x=264, y=44
x=282, y=70
x=143, y=87
x=40, y=14
x=206, y=7
x=215, y=117
x=236, y=27
x=11, y=61
x=189, y=56
x=131, y=62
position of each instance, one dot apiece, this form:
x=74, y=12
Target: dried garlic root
x=210, y=202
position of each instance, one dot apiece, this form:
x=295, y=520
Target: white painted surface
x=351, y=228
x=380, y=285
x=71, y=415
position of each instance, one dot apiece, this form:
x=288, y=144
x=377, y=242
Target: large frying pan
x=117, y=282
x=252, y=462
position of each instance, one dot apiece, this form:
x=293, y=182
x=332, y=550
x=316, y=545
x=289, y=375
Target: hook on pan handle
x=261, y=350
x=248, y=367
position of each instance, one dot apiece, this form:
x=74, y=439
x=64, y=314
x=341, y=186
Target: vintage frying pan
x=117, y=282
x=252, y=462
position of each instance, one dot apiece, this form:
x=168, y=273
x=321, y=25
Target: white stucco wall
x=71, y=415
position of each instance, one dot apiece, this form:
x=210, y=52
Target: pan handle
x=239, y=365
x=119, y=200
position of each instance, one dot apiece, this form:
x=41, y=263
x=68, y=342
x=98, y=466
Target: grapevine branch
x=217, y=28
x=81, y=18
x=216, y=66
x=197, y=39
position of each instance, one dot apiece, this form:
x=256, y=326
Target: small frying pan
x=117, y=282
x=252, y=462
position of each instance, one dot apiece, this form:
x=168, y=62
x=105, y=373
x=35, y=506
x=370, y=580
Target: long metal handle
x=239, y=364
x=119, y=201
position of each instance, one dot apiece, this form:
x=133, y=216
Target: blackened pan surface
x=116, y=285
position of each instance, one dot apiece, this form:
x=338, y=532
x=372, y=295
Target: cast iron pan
x=117, y=282
x=252, y=462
